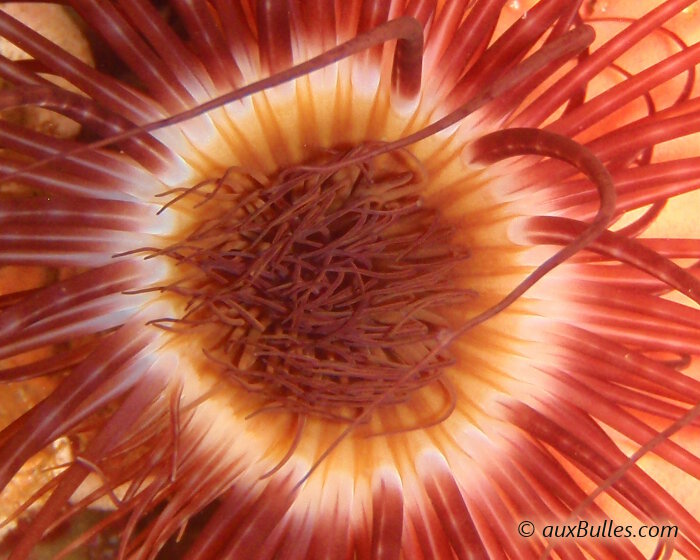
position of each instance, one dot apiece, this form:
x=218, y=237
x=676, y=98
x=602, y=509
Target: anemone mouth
x=321, y=288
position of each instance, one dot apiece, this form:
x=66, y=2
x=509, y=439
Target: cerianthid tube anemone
x=360, y=280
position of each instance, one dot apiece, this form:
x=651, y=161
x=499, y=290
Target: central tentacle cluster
x=325, y=287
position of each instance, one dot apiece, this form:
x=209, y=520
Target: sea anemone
x=365, y=279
